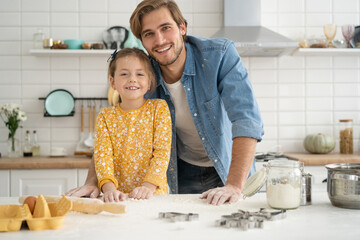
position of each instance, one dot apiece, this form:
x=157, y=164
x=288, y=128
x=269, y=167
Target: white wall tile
x=291, y=76
x=33, y=106
x=119, y=19
x=319, y=103
x=10, y=48
x=121, y=5
x=93, y=19
x=291, y=118
x=94, y=77
x=208, y=20
x=265, y=90
x=319, y=90
x=186, y=6
x=292, y=6
x=10, y=92
x=291, y=62
x=291, y=104
x=343, y=76
x=267, y=104
x=346, y=104
x=62, y=19
x=269, y=19
x=63, y=135
x=317, y=6
x=10, y=5
x=10, y=19
x=291, y=19
x=324, y=129
x=35, y=5
x=31, y=62
x=94, y=63
x=263, y=76
x=9, y=62
x=318, y=20
x=35, y=19
x=93, y=6
x=99, y=90
x=36, y=120
x=346, y=62
x=269, y=6
x=91, y=34
x=65, y=63
x=269, y=118
x=292, y=132
x=346, y=90
x=63, y=33
x=35, y=77
x=34, y=91
x=10, y=33
x=350, y=6
x=318, y=62
x=314, y=75
x=271, y=133
x=319, y=118
x=65, y=77
x=10, y=77
x=263, y=63
x=344, y=19
x=208, y=6
x=292, y=145
x=64, y=5
x=291, y=90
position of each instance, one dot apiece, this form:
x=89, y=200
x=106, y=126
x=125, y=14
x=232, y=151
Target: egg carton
x=45, y=215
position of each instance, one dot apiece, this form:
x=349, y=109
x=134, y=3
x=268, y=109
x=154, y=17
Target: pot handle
x=340, y=176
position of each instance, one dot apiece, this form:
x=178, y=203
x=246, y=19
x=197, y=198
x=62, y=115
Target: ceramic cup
x=58, y=151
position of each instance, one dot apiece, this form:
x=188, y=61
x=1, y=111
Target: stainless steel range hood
x=243, y=26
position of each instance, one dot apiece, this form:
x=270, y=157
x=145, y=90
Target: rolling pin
x=86, y=205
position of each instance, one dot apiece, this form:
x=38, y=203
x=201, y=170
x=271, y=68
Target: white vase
x=14, y=148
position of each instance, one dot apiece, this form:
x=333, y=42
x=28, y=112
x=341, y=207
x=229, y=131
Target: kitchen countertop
x=320, y=220
x=323, y=159
x=45, y=162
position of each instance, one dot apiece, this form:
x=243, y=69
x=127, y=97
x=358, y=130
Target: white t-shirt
x=189, y=146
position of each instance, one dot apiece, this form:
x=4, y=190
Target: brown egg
x=30, y=201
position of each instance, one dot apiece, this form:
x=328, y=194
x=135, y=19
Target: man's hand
x=91, y=191
x=221, y=195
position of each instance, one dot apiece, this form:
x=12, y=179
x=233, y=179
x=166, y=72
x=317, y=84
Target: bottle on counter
x=346, y=136
x=27, y=145
x=35, y=147
x=38, y=39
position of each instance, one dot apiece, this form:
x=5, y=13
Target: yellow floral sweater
x=133, y=147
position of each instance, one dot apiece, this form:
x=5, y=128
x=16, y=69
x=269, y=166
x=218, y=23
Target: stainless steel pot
x=343, y=185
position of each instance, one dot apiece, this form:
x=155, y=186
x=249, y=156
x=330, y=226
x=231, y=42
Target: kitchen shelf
x=327, y=52
x=71, y=52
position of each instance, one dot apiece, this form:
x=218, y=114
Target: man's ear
x=182, y=29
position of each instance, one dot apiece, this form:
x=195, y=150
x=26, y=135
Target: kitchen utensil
x=86, y=205
x=356, y=38
x=343, y=185
x=81, y=147
x=116, y=37
x=90, y=140
x=74, y=43
x=330, y=32
x=59, y=102
x=306, y=183
x=348, y=33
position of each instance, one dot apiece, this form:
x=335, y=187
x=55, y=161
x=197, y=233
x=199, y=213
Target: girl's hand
x=144, y=192
x=111, y=194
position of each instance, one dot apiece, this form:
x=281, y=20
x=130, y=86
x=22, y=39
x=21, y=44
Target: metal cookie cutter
x=179, y=217
x=245, y=220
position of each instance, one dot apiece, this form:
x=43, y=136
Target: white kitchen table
x=320, y=220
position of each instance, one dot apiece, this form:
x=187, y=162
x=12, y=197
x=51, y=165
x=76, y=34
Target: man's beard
x=177, y=54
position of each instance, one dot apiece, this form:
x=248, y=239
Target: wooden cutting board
x=323, y=159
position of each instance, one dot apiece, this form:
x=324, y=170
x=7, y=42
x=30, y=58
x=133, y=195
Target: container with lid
x=283, y=183
x=346, y=136
x=38, y=39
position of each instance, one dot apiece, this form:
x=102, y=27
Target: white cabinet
x=43, y=181
x=82, y=174
x=4, y=183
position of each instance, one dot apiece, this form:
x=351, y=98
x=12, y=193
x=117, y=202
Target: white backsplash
x=297, y=95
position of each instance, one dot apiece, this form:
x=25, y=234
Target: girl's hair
x=148, y=6
x=141, y=55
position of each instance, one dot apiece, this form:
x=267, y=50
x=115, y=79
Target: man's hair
x=148, y=6
x=141, y=55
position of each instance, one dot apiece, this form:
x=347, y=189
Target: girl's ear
x=112, y=82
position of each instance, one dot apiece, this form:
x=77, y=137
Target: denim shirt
x=221, y=102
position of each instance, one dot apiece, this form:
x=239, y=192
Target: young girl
x=132, y=138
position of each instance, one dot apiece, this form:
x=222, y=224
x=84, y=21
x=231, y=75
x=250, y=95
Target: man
x=216, y=120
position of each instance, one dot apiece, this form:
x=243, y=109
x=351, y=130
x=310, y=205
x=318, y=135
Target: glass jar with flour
x=283, y=183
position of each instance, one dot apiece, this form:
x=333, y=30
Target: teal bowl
x=74, y=43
